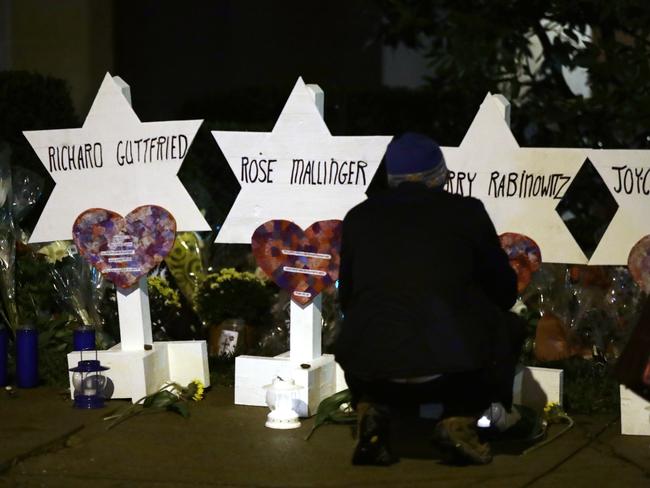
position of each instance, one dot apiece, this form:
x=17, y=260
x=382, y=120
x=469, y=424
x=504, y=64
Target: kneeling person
x=425, y=290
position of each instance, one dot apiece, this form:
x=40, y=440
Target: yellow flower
x=198, y=394
x=554, y=414
x=550, y=406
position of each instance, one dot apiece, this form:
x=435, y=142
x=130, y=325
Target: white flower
x=55, y=251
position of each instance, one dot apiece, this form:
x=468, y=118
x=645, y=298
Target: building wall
x=71, y=39
x=170, y=54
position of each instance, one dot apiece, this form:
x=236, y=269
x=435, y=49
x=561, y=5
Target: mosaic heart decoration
x=303, y=263
x=524, y=255
x=124, y=249
x=638, y=262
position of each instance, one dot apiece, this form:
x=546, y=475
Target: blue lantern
x=89, y=384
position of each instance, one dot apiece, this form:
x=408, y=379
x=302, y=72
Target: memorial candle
x=4, y=339
x=27, y=357
x=83, y=338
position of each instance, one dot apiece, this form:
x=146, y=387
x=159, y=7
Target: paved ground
x=45, y=442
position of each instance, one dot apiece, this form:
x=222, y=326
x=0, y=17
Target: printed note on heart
x=124, y=249
x=302, y=262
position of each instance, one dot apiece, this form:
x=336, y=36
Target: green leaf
x=329, y=411
x=161, y=399
x=180, y=408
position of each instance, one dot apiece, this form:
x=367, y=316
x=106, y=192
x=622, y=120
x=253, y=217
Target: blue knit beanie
x=415, y=157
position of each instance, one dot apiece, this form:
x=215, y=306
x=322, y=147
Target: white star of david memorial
x=114, y=161
x=626, y=172
x=298, y=171
x=520, y=187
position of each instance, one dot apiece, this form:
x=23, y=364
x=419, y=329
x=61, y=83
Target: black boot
x=373, y=432
x=458, y=440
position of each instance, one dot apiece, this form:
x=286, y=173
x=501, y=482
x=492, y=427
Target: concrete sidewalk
x=45, y=442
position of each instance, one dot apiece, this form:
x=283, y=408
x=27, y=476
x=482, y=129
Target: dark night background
x=385, y=66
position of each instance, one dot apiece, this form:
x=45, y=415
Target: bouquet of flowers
x=8, y=311
x=231, y=294
x=79, y=287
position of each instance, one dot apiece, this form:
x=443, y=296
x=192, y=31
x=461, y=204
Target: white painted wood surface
x=135, y=374
x=305, y=333
x=252, y=373
x=342, y=169
x=534, y=387
x=630, y=223
x=135, y=316
x=508, y=179
x=490, y=156
x=95, y=176
x=90, y=165
x=302, y=129
x=635, y=413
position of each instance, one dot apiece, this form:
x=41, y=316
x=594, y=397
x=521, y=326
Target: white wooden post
x=319, y=378
x=305, y=332
x=635, y=413
x=319, y=97
x=137, y=366
x=503, y=105
x=134, y=316
x=133, y=305
x=124, y=87
x=305, y=328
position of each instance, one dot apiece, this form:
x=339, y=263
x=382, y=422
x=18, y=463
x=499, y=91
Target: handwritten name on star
x=329, y=171
x=509, y=184
x=114, y=161
x=299, y=171
x=521, y=184
x=75, y=157
x=631, y=180
x=332, y=172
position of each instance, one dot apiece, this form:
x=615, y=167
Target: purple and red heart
x=124, y=249
x=302, y=262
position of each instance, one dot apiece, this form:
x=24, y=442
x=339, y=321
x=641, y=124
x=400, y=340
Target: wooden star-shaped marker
x=298, y=171
x=520, y=187
x=116, y=162
x=627, y=175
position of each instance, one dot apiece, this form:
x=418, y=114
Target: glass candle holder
x=281, y=396
x=83, y=338
x=27, y=357
x=4, y=342
x=89, y=384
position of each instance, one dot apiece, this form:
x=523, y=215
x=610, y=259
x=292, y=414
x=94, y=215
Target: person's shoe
x=459, y=443
x=373, y=447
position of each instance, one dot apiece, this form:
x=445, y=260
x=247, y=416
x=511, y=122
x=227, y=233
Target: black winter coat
x=423, y=285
